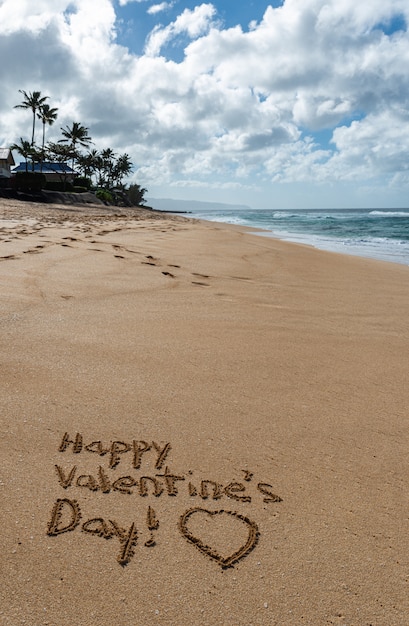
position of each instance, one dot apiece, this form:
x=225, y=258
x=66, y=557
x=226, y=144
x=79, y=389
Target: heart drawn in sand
x=224, y=518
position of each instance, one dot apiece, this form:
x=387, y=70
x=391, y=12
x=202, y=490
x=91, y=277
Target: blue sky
x=299, y=103
x=137, y=19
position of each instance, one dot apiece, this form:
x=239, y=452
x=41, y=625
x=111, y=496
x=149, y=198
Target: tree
x=86, y=165
x=122, y=168
x=33, y=101
x=48, y=116
x=107, y=168
x=25, y=149
x=136, y=194
x=58, y=153
x=76, y=135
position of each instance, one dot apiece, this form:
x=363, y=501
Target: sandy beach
x=199, y=425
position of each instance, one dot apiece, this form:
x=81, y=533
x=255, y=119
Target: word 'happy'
x=116, y=449
x=166, y=482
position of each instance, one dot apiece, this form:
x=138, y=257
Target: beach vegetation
x=24, y=149
x=136, y=194
x=102, y=172
x=33, y=101
x=47, y=115
x=83, y=181
x=62, y=154
x=76, y=135
x=105, y=195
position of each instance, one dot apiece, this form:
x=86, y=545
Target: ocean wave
x=357, y=241
x=224, y=219
x=285, y=214
x=390, y=213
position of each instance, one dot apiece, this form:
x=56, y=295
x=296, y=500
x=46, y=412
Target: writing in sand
x=159, y=481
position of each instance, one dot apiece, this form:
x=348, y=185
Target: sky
x=284, y=104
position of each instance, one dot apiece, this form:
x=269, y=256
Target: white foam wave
x=390, y=213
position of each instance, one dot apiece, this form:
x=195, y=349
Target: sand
x=199, y=425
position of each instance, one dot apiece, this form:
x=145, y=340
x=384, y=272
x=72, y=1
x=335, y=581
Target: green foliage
x=105, y=196
x=77, y=134
x=136, y=194
x=105, y=169
x=58, y=152
x=30, y=181
x=83, y=181
x=33, y=101
x=47, y=115
x=24, y=148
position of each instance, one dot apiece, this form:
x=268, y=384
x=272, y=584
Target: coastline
x=264, y=384
x=367, y=233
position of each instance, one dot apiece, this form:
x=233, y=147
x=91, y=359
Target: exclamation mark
x=153, y=524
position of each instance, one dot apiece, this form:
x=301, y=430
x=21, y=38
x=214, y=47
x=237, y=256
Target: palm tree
x=48, y=116
x=108, y=164
x=122, y=167
x=76, y=135
x=24, y=148
x=33, y=101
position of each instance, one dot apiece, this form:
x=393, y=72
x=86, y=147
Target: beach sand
x=199, y=425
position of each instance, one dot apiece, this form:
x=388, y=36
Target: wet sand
x=199, y=425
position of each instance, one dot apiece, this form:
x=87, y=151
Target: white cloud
x=242, y=109
x=192, y=23
x=158, y=8
x=123, y=3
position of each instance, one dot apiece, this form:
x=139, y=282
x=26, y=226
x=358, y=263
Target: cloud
x=191, y=23
x=239, y=108
x=123, y=3
x=157, y=8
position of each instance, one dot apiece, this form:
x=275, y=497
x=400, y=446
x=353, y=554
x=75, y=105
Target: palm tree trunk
x=42, y=149
x=34, y=125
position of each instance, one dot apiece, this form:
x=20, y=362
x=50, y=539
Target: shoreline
x=347, y=247
x=199, y=426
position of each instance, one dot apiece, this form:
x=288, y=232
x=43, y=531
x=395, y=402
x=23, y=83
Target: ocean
x=379, y=234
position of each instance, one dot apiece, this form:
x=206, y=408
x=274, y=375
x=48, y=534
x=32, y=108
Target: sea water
x=379, y=234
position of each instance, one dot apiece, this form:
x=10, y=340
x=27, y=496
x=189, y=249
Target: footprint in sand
x=32, y=251
x=194, y=282
x=151, y=260
x=8, y=256
x=168, y=274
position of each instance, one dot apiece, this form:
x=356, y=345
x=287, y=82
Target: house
x=6, y=162
x=52, y=171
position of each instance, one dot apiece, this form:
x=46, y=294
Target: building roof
x=46, y=168
x=6, y=155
